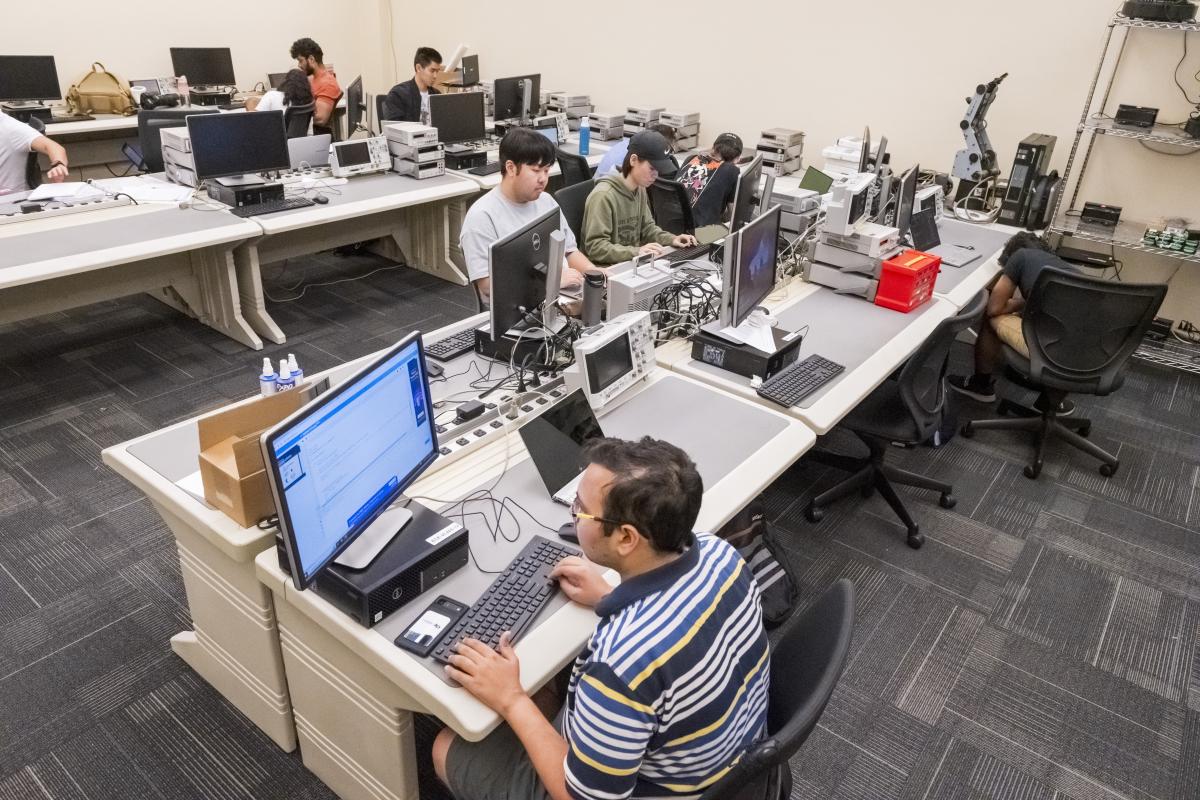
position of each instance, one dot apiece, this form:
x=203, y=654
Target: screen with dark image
x=203, y=66
x=275, y=79
x=757, y=248
x=238, y=144
x=347, y=457
x=555, y=439
x=28, y=78
x=351, y=154
x=509, y=94
x=923, y=227
x=469, y=75
x=458, y=116
x=354, y=105
x=609, y=363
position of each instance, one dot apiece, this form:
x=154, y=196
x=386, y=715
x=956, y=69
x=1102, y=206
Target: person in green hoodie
x=617, y=224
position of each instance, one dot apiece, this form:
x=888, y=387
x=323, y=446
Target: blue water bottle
x=585, y=135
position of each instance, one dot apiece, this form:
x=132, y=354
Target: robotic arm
x=977, y=161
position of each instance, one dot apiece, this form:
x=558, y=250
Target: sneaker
x=984, y=391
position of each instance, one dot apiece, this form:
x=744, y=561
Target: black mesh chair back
x=297, y=118
x=670, y=206
x=380, y=99
x=574, y=168
x=1081, y=330
x=806, y=664
x=571, y=200
x=921, y=380
x=150, y=125
x=33, y=173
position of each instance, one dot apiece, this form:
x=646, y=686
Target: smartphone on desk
x=427, y=630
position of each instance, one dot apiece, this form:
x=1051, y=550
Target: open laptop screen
x=555, y=439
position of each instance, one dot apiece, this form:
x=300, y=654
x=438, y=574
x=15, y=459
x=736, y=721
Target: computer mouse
x=320, y=199
x=434, y=370
x=567, y=532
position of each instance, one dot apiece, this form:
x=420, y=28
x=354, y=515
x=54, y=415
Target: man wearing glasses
x=672, y=687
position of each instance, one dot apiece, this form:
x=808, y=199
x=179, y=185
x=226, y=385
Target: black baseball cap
x=653, y=147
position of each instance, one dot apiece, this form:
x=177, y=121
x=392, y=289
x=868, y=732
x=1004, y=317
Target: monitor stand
x=370, y=543
x=755, y=330
x=241, y=180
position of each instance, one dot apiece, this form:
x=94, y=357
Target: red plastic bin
x=906, y=280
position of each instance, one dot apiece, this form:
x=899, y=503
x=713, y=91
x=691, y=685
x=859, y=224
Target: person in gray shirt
x=520, y=198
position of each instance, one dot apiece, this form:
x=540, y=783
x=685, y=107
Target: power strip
x=504, y=414
x=62, y=210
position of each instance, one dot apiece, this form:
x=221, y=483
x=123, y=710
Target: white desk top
x=103, y=123
x=959, y=285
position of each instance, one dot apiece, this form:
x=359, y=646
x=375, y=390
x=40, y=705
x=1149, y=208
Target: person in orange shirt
x=311, y=58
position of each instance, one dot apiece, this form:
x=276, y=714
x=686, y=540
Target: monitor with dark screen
x=238, y=144
x=203, y=66
x=25, y=78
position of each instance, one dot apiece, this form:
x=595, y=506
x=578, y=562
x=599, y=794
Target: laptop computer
x=308, y=152
x=555, y=440
x=922, y=228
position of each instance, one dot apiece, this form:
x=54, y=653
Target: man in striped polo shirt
x=672, y=687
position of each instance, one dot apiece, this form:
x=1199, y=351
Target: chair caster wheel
x=1085, y=431
x=1108, y=470
x=968, y=431
x=947, y=501
x=1033, y=470
x=915, y=538
x=814, y=514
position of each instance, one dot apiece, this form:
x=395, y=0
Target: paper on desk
x=194, y=485
x=145, y=189
x=65, y=191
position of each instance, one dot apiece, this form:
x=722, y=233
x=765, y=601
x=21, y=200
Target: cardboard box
x=231, y=462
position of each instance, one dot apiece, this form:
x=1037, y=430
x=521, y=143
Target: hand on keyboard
x=493, y=676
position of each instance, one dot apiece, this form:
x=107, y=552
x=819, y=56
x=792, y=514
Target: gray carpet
x=1043, y=643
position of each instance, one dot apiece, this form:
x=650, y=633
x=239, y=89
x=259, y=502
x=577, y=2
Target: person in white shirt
x=17, y=141
x=293, y=91
x=520, y=198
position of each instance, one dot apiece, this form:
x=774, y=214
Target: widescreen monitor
x=458, y=116
x=238, y=144
x=755, y=255
x=509, y=95
x=203, y=66
x=28, y=78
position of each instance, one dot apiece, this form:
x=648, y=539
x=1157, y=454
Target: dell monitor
x=509, y=95
x=354, y=106
x=517, y=267
x=469, y=71
x=753, y=272
x=458, y=116
x=744, y=197
x=275, y=79
x=225, y=145
x=203, y=66
x=906, y=198
x=28, y=79
x=338, y=464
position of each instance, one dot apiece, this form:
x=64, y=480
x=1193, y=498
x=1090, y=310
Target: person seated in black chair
x=294, y=90
x=17, y=141
x=1023, y=258
x=409, y=101
x=711, y=180
x=672, y=687
x=520, y=198
x=325, y=90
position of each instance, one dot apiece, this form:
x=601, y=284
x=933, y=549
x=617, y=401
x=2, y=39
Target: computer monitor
x=203, y=66
x=338, y=464
x=224, y=145
x=755, y=254
x=150, y=123
x=745, y=195
x=864, y=157
x=28, y=78
x=550, y=132
x=468, y=71
x=517, y=268
x=509, y=95
x=906, y=198
x=275, y=79
x=458, y=116
x=354, y=106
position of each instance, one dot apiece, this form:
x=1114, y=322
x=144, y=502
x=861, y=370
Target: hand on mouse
x=580, y=581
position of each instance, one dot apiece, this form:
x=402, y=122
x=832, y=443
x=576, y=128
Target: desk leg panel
x=235, y=642
x=249, y=286
x=218, y=300
x=429, y=240
x=354, y=730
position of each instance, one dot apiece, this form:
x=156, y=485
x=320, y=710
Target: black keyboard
x=271, y=206
x=73, y=118
x=490, y=168
x=452, y=346
x=512, y=601
x=688, y=253
x=797, y=381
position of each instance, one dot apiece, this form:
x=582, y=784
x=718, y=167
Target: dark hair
x=655, y=488
x=303, y=48
x=525, y=146
x=727, y=147
x=666, y=130
x=296, y=89
x=426, y=56
x=1022, y=241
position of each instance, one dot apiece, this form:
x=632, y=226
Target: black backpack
x=751, y=534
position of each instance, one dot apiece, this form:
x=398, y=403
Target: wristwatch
x=58, y=164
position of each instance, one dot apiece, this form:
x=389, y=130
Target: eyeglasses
x=578, y=515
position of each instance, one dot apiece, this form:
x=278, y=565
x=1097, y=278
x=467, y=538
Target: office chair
x=1080, y=332
x=670, y=206
x=33, y=173
x=574, y=168
x=806, y=664
x=297, y=118
x=907, y=409
x=571, y=199
x=380, y=99
x=150, y=124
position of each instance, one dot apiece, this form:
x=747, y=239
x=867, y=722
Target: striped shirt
x=672, y=687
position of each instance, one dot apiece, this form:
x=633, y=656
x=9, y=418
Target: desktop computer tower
x=1030, y=163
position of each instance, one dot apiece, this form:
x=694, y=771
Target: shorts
x=494, y=768
x=1008, y=328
